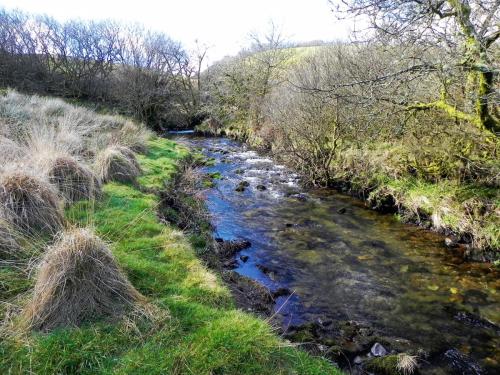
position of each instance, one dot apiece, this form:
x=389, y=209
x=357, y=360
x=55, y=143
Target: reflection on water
x=346, y=262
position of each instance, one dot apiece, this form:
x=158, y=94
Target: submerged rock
x=242, y=186
x=280, y=292
x=261, y=187
x=290, y=193
x=474, y=320
x=244, y=258
x=267, y=271
x=462, y=364
x=378, y=350
x=300, y=197
x=341, y=210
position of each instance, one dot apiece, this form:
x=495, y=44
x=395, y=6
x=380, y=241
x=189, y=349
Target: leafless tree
x=142, y=73
x=239, y=87
x=465, y=31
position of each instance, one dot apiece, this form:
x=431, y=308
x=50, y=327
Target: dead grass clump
x=9, y=150
x=117, y=164
x=406, y=364
x=78, y=280
x=9, y=245
x=129, y=154
x=74, y=180
x=29, y=203
x=134, y=136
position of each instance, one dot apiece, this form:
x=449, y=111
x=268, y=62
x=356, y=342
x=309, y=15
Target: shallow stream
x=345, y=262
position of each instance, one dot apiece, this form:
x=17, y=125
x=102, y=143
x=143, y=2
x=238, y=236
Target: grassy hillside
x=187, y=322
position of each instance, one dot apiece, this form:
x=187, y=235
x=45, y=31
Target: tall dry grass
x=51, y=155
x=78, y=280
x=58, y=143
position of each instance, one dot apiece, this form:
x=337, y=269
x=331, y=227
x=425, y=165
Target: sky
x=221, y=25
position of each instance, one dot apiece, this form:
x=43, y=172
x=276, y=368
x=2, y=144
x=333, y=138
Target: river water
x=344, y=262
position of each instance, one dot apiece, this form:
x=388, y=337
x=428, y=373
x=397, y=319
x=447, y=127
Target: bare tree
x=465, y=30
x=142, y=73
x=239, y=87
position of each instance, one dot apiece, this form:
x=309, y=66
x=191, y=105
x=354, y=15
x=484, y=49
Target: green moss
x=215, y=175
x=199, y=330
x=160, y=162
x=386, y=365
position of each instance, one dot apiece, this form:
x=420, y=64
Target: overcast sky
x=222, y=25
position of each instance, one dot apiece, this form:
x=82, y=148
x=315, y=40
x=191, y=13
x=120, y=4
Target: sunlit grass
x=199, y=330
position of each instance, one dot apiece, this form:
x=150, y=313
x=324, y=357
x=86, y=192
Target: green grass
x=463, y=208
x=196, y=329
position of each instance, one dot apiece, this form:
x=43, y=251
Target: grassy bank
x=192, y=325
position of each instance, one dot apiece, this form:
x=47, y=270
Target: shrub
x=78, y=280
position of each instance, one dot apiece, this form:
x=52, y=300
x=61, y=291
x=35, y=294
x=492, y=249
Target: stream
x=372, y=277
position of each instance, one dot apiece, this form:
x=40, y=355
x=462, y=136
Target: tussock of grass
x=117, y=164
x=29, y=203
x=204, y=333
x=9, y=244
x=134, y=136
x=74, y=180
x=9, y=150
x=393, y=364
x=407, y=364
x=78, y=280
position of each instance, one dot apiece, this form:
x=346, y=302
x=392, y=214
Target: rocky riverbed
x=342, y=280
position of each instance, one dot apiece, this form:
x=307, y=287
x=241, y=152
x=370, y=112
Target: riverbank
x=339, y=278
x=467, y=214
x=194, y=326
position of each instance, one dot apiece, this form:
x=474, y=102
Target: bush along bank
x=185, y=321
x=466, y=212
